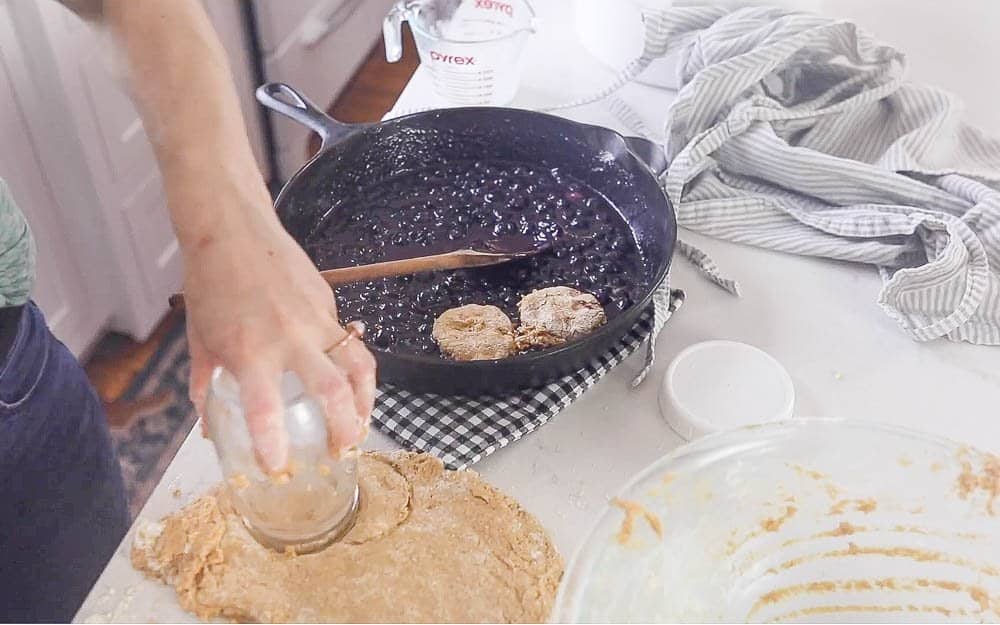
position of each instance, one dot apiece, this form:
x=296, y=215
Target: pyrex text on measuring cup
x=471, y=47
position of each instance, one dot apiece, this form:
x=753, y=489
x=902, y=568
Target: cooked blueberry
x=593, y=249
x=381, y=337
x=504, y=228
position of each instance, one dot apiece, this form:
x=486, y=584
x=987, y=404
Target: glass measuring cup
x=314, y=502
x=472, y=47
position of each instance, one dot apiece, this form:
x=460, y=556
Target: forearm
x=256, y=303
x=179, y=75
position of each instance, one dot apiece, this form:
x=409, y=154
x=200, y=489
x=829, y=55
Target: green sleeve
x=17, y=252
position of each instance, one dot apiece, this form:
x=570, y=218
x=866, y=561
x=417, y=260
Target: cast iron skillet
x=354, y=156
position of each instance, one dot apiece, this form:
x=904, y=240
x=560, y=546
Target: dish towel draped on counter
x=800, y=133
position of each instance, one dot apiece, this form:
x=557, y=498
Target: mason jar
x=309, y=505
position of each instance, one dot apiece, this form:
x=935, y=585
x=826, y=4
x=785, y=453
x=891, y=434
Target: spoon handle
x=348, y=275
x=388, y=269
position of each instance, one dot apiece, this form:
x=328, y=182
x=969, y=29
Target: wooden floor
x=117, y=359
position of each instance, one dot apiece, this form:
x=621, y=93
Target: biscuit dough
x=558, y=313
x=429, y=545
x=474, y=332
x=527, y=338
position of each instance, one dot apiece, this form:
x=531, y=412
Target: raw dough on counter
x=429, y=545
x=557, y=314
x=474, y=332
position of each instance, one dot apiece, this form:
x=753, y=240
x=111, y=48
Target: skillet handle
x=281, y=98
x=649, y=153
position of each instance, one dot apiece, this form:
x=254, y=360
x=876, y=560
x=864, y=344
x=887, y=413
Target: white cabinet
x=53, y=197
x=78, y=160
x=119, y=161
x=315, y=46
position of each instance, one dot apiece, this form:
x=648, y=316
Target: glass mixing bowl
x=799, y=521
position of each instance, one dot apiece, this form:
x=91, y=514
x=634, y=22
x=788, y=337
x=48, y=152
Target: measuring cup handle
x=392, y=32
x=281, y=98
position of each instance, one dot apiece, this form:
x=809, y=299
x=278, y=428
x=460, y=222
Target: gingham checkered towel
x=463, y=430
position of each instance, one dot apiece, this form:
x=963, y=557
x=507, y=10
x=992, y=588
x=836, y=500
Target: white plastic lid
x=720, y=385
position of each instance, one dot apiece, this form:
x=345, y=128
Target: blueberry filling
x=440, y=209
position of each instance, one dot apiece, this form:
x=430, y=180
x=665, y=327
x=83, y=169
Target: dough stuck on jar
x=474, y=332
x=555, y=315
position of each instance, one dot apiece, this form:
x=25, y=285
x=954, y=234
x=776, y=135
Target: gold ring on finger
x=355, y=330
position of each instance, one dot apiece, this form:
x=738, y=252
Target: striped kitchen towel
x=799, y=133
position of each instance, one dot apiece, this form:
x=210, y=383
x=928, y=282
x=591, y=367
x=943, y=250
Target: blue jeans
x=62, y=500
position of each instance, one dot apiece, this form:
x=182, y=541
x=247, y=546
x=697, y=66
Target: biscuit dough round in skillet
x=559, y=313
x=474, y=332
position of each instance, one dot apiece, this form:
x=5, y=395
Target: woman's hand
x=256, y=304
x=258, y=307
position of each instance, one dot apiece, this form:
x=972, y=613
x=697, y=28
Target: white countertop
x=818, y=317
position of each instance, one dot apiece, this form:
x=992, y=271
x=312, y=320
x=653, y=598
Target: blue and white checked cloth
x=799, y=133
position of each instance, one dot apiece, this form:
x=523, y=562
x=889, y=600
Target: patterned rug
x=164, y=416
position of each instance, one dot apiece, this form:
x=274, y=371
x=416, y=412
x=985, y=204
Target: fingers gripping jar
x=309, y=505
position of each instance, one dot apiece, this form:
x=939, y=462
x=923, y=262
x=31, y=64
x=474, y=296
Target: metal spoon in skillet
x=477, y=254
